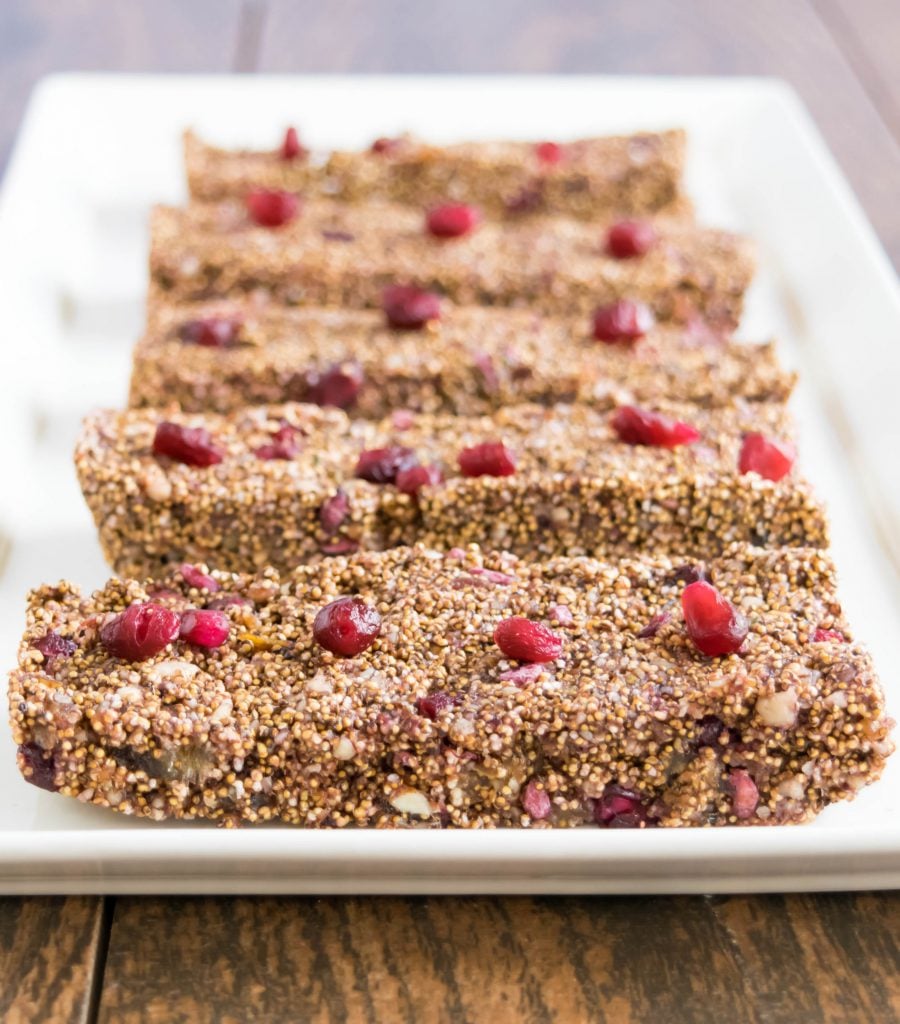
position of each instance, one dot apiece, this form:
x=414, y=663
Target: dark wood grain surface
x=794, y=959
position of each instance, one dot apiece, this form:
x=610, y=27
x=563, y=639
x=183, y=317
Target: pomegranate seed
x=191, y=445
x=744, y=794
x=381, y=465
x=620, y=808
x=338, y=386
x=52, y=645
x=334, y=511
x=229, y=601
x=654, y=625
x=284, y=444
x=524, y=640
x=141, y=631
x=205, y=627
x=549, y=152
x=211, y=331
x=195, y=577
x=638, y=426
x=623, y=320
x=772, y=460
x=492, y=458
x=408, y=308
x=824, y=636
x=41, y=768
x=410, y=480
x=291, y=147
x=347, y=626
x=714, y=625
x=536, y=801
x=630, y=238
x=452, y=220
x=271, y=208
x=385, y=145
x=432, y=705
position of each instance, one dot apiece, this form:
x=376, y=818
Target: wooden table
x=771, y=959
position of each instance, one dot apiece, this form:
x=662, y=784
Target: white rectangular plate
x=97, y=151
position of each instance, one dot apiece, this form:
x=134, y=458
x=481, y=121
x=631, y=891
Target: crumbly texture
x=339, y=254
x=632, y=175
x=470, y=362
x=271, y=727
x=577, y=489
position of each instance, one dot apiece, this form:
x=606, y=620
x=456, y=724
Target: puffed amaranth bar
x=290, y=486
x=339, y=254
x=432, y=725
x=471, y=361
x=631, y=175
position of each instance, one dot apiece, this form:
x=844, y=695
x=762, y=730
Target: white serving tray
x=96, y=151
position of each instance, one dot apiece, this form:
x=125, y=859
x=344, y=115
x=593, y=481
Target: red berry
x=452, y=220
x=381, y=465
x=825, y=636
x=347, y=626
x=525, y=640
x=230, y=601
x=408, y=308
x=772, y=460
x=211, y=331
x=291, y=147
x=271, y=208
x=205, y=627
x=284, y=444
x=620, y=808
x=334, y=511
x=622, y=321
x=714, y=625
x=630, y=238
x=195, y=577
x=549, y=152
x=52, y=645
x=410, y=480
x=385, y=145
x=338, y=386
x=191, y=445
x=40, y=766
x=638, y=426
x=432, y=705
x=536, y=801
x=744, y=794
x=492, y=458
x=141, y=631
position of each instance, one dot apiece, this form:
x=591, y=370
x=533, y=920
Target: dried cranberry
x=714, y=625
x=271, y=208
x=622, y=321
x=525, y=640
x=639, y=426
x=561, y=614
x=291, y=147
x=211, y=331
x=385, y=145
x=52, y=645
x=338, y=386
x=824, y=636
x=205, y=627
x=744, y=793
x=452, y=220
x=334, y=511
x=195, y=577
x=341, y=546
x=654, y=625
x=620, y=808
x=410, y=480
x=140, y=632
x=229, y=601
x=402, y=419
x=491, y=458
x=536, y=801
x=711, y=728
x=381, y=465
x=408, y=308
x=434, y=703
x=522, y=675
x=690, y=572
x=526, y=200
x=549, y=152
x=285, y=444
x=772, y=460
x=347, y=626
x=191, y=445
x=335, y=235
x=630, y=238
x=40, y=768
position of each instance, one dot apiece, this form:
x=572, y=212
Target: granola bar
x=471, y=361
x=338, y=254
x=591, y=178
x=278, y=485
x=233, y=698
